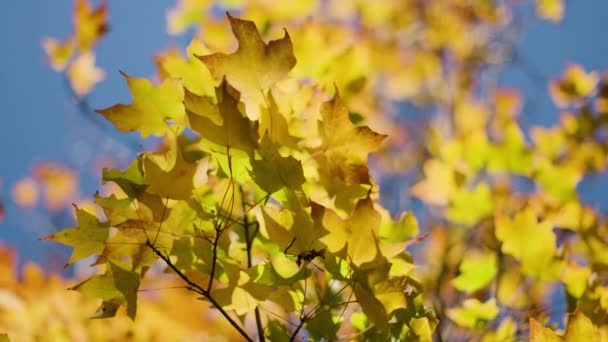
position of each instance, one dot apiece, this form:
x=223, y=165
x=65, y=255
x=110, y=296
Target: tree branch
x=196, y=288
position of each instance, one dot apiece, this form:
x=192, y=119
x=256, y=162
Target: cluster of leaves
x=74, y=55
x=245, y=179
x=34, y=306
x=513, y=228
x=260, y=198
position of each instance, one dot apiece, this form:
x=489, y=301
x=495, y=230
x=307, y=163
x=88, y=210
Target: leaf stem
x=248, y=243
x=196, y=288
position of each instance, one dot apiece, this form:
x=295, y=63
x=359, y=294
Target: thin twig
x=196, y=288
x=248, y=243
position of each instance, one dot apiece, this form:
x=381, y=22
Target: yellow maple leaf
x=90, y=23
x=552, y=10
x=255, y=66
x=58, y=53
x=84, y=75
x=152, y=106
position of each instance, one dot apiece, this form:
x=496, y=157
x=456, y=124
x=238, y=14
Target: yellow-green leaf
x=87, y=239
x=151, y=108
x=529, y=241
x=117, y=285
x=473, y=313
x=477, y=270
x=575, y=278
x=274, y=171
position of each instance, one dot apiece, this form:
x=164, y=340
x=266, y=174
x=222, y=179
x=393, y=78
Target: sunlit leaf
x=84, y=75
x=235, y=130
x=477, y=270
x=552, y=10
x=87, y=238
x=90, y=23
x=574, y=85
x=254, y=66
x=580, y=328
x=473, y=313
x=59, y=53
x=116, y=285
x=274, y=171
x=191, y=71
x=539, y=333
x=533, y=243
x=152, y=107
x=576, y=278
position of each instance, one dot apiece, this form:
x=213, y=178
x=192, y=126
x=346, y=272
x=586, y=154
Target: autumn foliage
x=260, y=204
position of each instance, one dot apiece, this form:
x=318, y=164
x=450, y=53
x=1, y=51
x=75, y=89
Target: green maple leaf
x=151, y=108
x=255, y=66
x=87, y=239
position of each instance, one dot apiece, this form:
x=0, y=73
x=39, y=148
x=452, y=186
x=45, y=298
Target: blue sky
x=41, y=122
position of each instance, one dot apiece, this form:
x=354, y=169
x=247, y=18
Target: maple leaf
x=358, y=233
x=477, y=270
x=342, y=161
x=552, y=10
x=171, y=175
x=341, y=137
x=235, y=130
x=151, y=108
x=273, y=123
x=474, y=313
x=58, y=53
x=185, y=14
x=130, y=242
x=131, y=180
x=255, y=66
x=84, y=75
x=530, y=242
x=90, y=23
x=87, y=238
x=192, y=72
x=274, y=171
x=574, y=85
x=117, y=285
x=539, y=333
x=371, y=306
